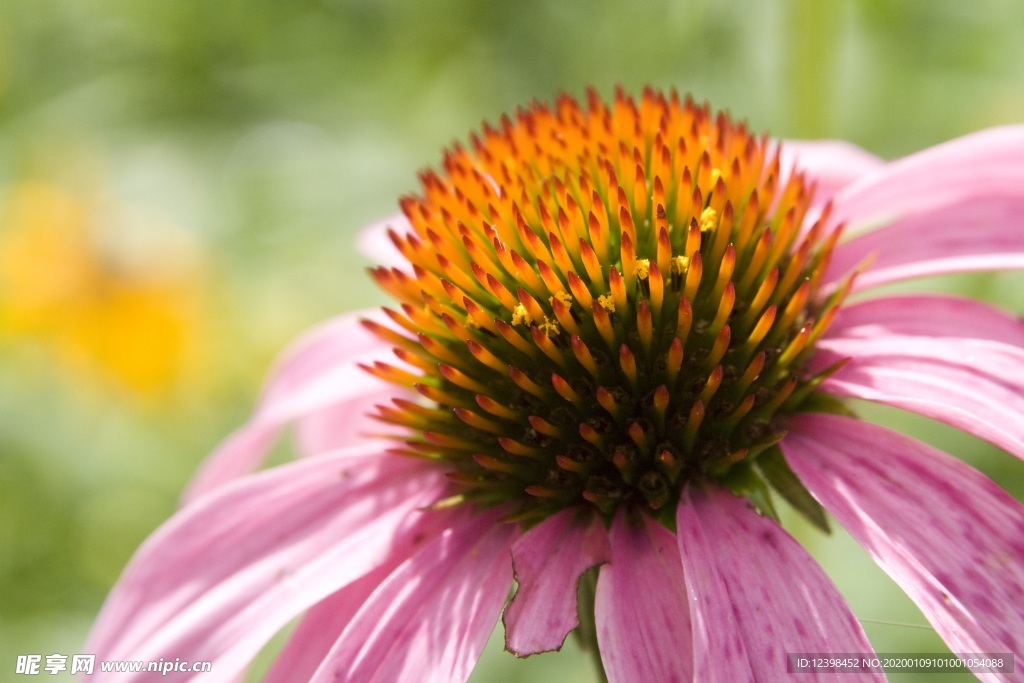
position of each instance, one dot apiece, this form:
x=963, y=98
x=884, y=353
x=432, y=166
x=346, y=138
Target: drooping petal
x=346, y=423
x=756, y=596
x=374, y=243
x=830, y=164
x=976, y=385
x=948, y=535
x=319, y=373
x=429, y=621
x=951, y=208
x=641, y=607
x=323, y=346
x=223, y=575
x=548, y=561
x=311, y=641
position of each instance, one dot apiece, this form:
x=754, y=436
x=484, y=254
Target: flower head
x=608, y=304
x=621, y=332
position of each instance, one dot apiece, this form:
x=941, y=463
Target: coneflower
x=621, y=333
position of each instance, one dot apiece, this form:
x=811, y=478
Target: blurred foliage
x=181, y=183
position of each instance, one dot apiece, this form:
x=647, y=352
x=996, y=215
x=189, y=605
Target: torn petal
x=548, y=561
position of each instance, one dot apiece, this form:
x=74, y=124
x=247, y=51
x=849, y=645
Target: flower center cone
x=603, y=304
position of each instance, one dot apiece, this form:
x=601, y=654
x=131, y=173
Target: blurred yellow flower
x=112, y=294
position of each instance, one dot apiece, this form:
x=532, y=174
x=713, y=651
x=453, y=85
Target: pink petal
x=312, y=640
x=431, y=618
x=757, y=595
x=976, y=385
x=223, y=575
x=548, y=561
x=318, y=373
x=949, y=536
x=641, y=608
x=952, y=208
x=374, y=243
x=320, y=628
x=344, y=424
x=926, y=316
x=322, y=346
x=830, y=164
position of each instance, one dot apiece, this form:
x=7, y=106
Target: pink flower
x=623, y=332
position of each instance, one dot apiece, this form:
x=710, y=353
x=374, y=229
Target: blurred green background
x=181, y=183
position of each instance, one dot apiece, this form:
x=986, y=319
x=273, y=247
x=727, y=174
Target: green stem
x=586, y=632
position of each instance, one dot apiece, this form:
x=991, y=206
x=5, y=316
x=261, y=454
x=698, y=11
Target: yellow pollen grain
x=679, y=265
x=520, y=316
x=708, y=219
x=564, y=297
x=642, y=269
x=471, y=324
x=550, y=328
x=606, y=302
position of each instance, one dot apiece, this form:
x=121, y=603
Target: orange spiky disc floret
x=604, y=303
